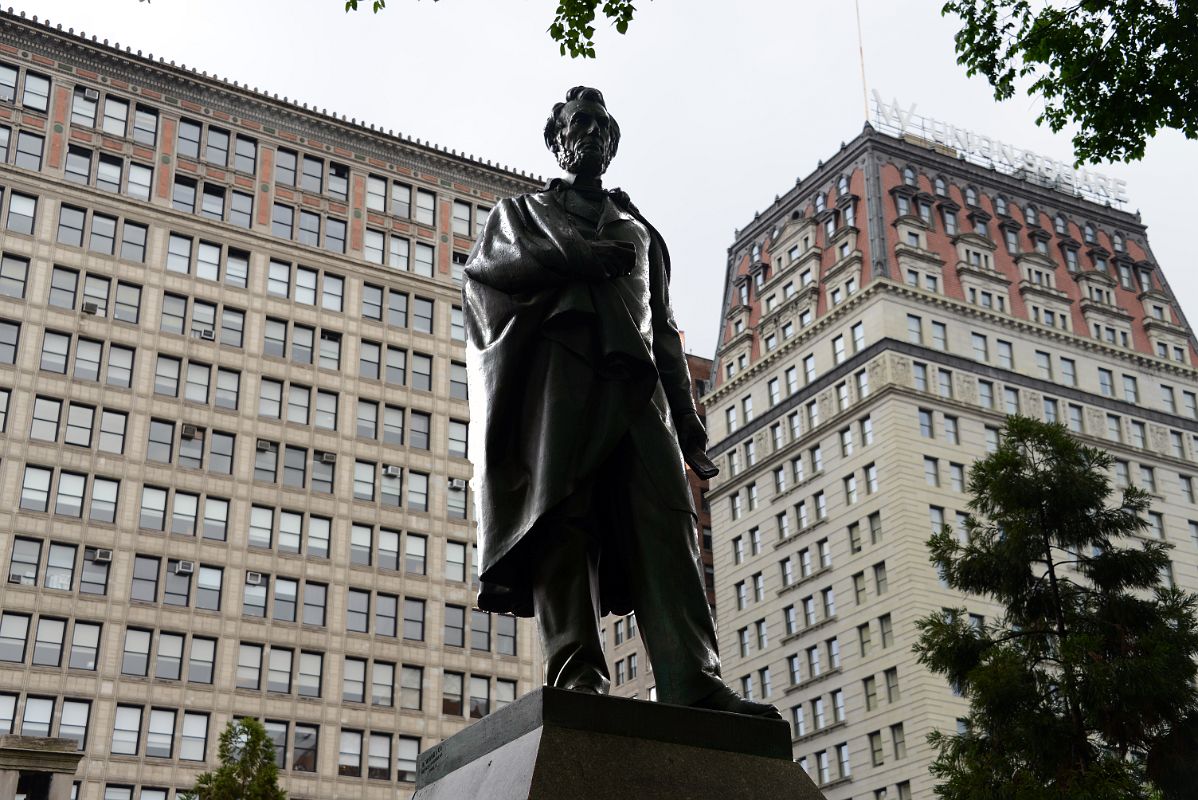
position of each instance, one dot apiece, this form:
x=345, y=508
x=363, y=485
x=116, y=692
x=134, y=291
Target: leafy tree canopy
x=573, y=25
x=1118, y=69
x=1083, y=687
x=247, y=768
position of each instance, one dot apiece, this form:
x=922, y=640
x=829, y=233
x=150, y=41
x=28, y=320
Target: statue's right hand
x=618, y=258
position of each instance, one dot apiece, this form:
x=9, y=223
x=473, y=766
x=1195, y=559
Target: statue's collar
x=619, y=196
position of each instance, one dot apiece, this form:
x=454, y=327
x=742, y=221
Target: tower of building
x=233, y=428
x=880, y=320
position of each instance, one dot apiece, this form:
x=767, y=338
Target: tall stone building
x=880, y=320
x=233, y=428
x=627, y=660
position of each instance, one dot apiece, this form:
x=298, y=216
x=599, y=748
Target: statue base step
x=553, y=744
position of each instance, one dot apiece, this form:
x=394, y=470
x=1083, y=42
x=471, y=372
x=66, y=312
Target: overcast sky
x=722, y=104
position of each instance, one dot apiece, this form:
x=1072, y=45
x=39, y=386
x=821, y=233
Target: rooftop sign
x=1007, y=159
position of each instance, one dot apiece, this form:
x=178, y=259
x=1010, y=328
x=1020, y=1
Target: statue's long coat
x=560, y=370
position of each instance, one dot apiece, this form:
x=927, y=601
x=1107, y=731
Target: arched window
x=1059, y=225
x=1117, y=242
x=1088, y=234
x=909, y=176
x=1030, y=216
x=971, y=196
x=821, y=202
x=756, y=252
x=1000, y=206
x=842, y=186
x=941, y=187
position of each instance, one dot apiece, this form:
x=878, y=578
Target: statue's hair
x=554, y=123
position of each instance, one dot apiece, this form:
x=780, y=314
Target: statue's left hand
x=692, y=438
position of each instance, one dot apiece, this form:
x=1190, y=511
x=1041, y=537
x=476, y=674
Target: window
x=35, y=489
x=980, y=347
x=29, y=150
x=413, y=624
x=480, y=696
x=249, y=666
x=892, y=685
x=126, y=730
x=425, y=207
x=21, y=212
x=14, y=630
x=73, y=722
x=349, y=759
x=455, y=622
x=451, y=693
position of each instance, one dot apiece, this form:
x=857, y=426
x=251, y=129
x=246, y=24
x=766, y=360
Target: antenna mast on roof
x=861, y=59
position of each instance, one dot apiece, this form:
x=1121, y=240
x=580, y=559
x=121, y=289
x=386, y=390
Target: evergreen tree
x=247, y=768
x=1083, y=689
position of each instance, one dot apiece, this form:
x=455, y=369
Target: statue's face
x=584, y=139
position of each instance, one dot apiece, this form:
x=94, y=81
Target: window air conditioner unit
x=90, y=308
x=253, y=578
x=190, y=431
x=90, y=94
x=265, y=446
x=391, y=471
x=185, y=567
x=328, y=458
x=208, y=335
x=457, y=484
x=103, y=555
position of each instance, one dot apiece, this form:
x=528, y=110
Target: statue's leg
x=661, y=554
x=566, y=603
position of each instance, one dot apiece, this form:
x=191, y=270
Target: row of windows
x=176, y=656
x=113, y=119
x=787, y=383
x=65, y=493
x=109, y=172
x=1072, y=415
x=812, y=717
x=187, y=584
x=86, y=357
x=184, y=513
x=28, y=149
x=109, y=235
x=208, y=199
x=805, y=563
x=64, y=717
x=1031, y=215
x=109, y=113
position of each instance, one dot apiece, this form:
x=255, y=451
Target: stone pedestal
x=47, y=765
x=560, y=745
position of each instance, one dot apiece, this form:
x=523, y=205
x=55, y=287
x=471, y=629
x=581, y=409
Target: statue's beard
x=575, y=161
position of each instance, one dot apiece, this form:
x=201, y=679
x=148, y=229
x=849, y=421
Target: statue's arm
x=672, y=368
x=519, y=252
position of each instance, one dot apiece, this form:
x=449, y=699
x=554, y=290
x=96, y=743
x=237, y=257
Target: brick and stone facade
x=880, y=320
x=232, y=428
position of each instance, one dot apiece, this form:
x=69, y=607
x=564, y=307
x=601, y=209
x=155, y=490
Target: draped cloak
x=563, y=364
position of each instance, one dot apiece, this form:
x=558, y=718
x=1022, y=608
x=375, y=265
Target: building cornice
x=176, y=84
x=766, y=463
x=961, y=311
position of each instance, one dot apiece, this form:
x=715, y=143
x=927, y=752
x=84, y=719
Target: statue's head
x=581, y=134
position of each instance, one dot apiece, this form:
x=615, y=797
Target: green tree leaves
x=1083, y=689
x=1119, y=69
x=573, y=22
x=247, y=768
